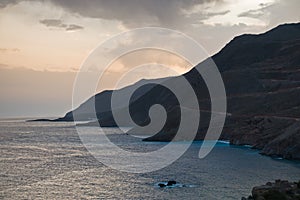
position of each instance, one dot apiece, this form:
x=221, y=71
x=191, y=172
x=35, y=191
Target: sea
x=47, y=160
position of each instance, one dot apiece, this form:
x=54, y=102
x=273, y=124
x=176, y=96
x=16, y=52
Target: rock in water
x=161, y=185
x=170, y=183
x=167, y=184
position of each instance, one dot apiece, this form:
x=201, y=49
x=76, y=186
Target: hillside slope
x=261, y=74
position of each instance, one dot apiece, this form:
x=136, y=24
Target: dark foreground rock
x=280, y=190
x=169, y=183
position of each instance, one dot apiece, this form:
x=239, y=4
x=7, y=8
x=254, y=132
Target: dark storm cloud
x=166, y=13
x=133, y=13
x=57, y=23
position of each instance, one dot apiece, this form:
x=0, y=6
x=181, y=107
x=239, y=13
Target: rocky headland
x=261, y=74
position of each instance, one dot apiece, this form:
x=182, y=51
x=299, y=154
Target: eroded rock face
x=277, y=137
x=287, y=144
x=278, y=190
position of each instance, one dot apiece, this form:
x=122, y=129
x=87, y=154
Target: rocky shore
x=278, y=190
x=273, y=136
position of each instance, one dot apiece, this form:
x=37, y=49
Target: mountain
x=261, y=74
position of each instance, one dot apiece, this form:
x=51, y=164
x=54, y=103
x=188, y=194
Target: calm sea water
x=41, y=160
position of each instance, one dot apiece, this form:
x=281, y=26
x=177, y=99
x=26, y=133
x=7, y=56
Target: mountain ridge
x=261, y=73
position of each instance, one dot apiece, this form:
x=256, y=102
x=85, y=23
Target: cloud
x=135, y=13
x=198, y=18
x=131, y=13
x=284, y=12
x=212, y=14
x=252, y=13
x=9, y=50
x=53, y=23
x=178, y=14
x=275, y=13
x=57, y=23
x=73, y=27
x=4, y=3
x=256, y=13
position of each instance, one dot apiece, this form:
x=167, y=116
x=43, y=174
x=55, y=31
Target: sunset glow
x=57, y=36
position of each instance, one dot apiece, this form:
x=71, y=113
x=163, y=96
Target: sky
x=44, y=42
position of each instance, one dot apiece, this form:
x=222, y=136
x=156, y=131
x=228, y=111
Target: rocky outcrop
x=169, y=183
x=284, y=144
x=280, y=190
x=278, y=137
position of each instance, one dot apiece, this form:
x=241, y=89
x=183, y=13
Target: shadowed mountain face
x=265, y=111
x=261, y=74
